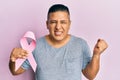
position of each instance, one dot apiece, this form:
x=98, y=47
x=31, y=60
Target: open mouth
x=58, y=33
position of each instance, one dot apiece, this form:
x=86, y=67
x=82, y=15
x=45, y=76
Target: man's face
x=58, y=25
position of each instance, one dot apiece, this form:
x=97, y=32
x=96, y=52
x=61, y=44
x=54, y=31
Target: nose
x=58, y=26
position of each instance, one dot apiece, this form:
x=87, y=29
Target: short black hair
x=57, y=7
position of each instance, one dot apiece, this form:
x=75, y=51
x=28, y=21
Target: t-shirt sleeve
x=86, y=55
x=26, y=64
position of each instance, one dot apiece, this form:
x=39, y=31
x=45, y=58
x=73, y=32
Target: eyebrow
x=60, y=20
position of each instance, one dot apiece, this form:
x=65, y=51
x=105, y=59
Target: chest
x=66, y=59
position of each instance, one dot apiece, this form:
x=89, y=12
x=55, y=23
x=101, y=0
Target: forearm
x=12, y=67
x=92, y=68
x=17, y=53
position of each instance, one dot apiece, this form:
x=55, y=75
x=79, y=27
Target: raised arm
x=16, y=54
x=92, y=68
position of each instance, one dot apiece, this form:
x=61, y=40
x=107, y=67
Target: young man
x=59, y=55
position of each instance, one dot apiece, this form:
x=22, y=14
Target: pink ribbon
x=29, y=47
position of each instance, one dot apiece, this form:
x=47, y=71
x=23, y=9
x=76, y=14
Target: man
x=59, y=55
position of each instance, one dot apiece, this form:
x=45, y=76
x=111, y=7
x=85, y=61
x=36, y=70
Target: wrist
x=96, y=55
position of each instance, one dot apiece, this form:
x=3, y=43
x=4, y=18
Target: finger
x=13, y=59
x=24, y=51
x=23, y=54
x=19, y=56
x=97, y=47
x=22, y=57
x=98, y=40
x=97, y=44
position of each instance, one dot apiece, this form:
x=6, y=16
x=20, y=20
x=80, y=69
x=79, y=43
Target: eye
x=53, y=22
x=63, y=22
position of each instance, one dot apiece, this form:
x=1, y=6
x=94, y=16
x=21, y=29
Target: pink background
x=91, y=19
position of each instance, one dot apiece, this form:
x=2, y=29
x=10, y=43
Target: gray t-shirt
x=64, y=63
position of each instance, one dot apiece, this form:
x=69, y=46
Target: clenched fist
x=18, y=53
x=100, y=46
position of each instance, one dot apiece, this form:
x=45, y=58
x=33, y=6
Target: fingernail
x=98, y=40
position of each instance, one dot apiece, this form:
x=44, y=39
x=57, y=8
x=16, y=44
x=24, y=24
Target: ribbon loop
x=29, y=48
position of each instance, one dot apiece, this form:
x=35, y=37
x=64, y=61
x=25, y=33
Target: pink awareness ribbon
x=29, y=47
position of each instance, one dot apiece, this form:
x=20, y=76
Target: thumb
x=13, y=59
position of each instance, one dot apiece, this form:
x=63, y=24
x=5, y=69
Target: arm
x=92, y=68
x=16, y=54
x=12, y=68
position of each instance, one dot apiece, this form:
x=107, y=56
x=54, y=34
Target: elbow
x=89, y=75
x=91, y=78
x=14, y=73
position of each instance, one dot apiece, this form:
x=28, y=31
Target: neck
x=57, y=43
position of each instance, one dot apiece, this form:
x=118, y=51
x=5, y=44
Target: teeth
x=58, y=33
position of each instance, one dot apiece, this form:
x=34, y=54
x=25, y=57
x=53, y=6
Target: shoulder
x=40, y=40
x=81, y=44
x=78, y=40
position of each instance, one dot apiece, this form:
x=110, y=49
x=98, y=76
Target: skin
x=92, y=68
x=58, y=25
x=17, y=53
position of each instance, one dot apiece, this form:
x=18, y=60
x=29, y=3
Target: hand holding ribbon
x=29, y=47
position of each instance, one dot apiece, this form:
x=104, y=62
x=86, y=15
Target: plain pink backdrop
x=91, y=19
